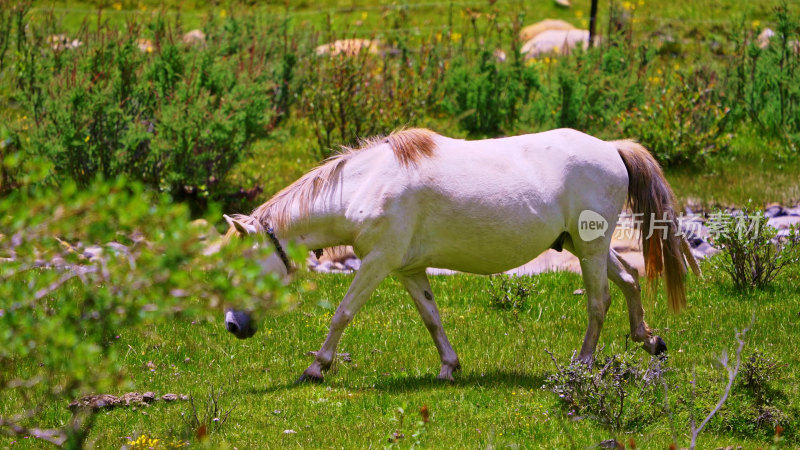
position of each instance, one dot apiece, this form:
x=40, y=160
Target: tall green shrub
x=177, y=118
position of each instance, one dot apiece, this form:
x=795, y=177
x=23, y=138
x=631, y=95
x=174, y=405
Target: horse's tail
x=665, y=249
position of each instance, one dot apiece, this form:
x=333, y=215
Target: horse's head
x=240, y=323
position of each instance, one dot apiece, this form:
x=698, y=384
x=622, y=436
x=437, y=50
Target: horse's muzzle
x=239, y=324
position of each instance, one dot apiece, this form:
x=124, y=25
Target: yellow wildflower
x=364, y=15
x=756, y=23
x=117, y=6
x=455, y=37
x=223, y=13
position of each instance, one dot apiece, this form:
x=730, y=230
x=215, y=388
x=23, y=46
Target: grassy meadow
x=497, y=399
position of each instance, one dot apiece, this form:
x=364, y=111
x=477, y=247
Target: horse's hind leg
x=598, y=300
x=418, y=286
x=627, y=279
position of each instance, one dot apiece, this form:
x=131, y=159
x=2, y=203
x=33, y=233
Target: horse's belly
x=483, y=251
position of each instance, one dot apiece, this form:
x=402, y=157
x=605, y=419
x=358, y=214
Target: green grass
x=496, y=400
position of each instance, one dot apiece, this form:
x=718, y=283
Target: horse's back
x=491, y=205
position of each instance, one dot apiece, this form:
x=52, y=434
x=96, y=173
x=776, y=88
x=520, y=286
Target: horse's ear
x=242, y=228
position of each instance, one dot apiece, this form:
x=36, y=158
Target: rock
x=323, y=267
x=339, y=254
x=195, y=37
x=131, y=397
x=578, y=292
x=94, y=402
x=62, y=42
x=499, y=55
x=704, y=250
x=352, y=264
x=349, y=47
x=563, y=3
x=289, y=432
x=145, y=45
x=774, y=210
x=101, y=401
x=764, y=37
x=93, y=252
x=611, y=443
x=531, y=31
x=783, y=221
x=555, y=42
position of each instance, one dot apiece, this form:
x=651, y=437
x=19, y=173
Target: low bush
x=765, y=78
x=510, y=292
x=686, y=124
x=486, y=97
x=175, y=117
x=619, y=391
x=81, y=266
x=351, y=97
x=752, y=254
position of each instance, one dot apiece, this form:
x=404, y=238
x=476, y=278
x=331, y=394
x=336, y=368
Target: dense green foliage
x=80, y=267
x=752, y=252
x=187, y=118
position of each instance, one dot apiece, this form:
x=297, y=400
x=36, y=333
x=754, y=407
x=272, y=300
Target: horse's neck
x=324, y=226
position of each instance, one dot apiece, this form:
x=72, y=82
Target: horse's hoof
x=308, y=378
x=661, y=346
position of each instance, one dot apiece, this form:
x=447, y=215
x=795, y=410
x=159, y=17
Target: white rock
x=764, y=37
x=349, y=47
x=531, y=31
x=555, y=42
x=783, y=221
x=194, y=37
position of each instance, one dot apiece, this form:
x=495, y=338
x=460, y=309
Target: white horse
x=416, y=199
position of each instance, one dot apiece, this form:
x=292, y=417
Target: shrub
x=510, y=292
x=757, y=372
x=618, y=392
x=78, y=267
x=766, y=81
x=177, y=117
x=350, y=97
x=686, y=124
x=486, y=96
x=751, y=252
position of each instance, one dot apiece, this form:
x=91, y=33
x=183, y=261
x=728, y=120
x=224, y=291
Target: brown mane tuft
x=409, y=147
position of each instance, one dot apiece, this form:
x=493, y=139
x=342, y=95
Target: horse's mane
x=409, y=146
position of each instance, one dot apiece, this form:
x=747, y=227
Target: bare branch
x=55, y=437
x=732, y=372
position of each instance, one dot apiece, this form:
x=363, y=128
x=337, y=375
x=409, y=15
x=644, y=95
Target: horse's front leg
x=420, y=289
x=373, y=271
